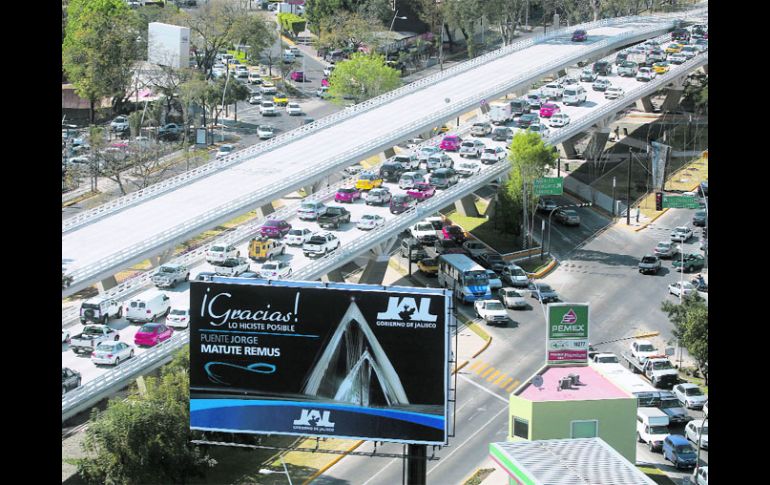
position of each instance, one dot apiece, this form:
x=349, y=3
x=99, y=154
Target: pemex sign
x=567, y=336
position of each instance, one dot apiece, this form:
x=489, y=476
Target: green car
x=691, y=262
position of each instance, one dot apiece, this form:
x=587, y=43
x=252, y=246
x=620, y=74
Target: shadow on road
x=589, y=255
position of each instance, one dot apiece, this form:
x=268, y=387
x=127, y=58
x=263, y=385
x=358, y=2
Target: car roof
x=678, y=439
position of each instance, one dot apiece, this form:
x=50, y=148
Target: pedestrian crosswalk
x=497, y=377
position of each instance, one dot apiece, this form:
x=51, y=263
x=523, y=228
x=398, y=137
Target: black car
x=542, y=292
x=455, y=233
x=579, y=35
x=527, y=119
x=417, y=249
x=449, y=246
x=699, y=218
x=603, y=68
x=70, y=379
x=501, y=133
x=493, y=261
x=391, y=171
x=401, y=203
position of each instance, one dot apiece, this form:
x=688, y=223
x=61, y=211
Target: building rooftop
x=592, y=385
x=578, y=461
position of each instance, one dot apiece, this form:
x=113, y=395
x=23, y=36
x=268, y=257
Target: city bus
x=467, y=279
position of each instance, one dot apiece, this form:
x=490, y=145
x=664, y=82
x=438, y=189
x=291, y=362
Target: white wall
x=168, y=45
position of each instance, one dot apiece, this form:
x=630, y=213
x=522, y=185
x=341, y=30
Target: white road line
x=381, y=470
x=484, y=389
x=446, y=458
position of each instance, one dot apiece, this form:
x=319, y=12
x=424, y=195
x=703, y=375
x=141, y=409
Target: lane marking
x=476, y=364
x=500, y=379
x=492, y=377
x=491, y=393
x=488, y=371
x=481, y=368
x=513, y=386
x=506, y=382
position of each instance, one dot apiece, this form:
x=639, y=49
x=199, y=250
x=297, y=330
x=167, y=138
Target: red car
x=421, y=191
x=451, y=143
x=347, y=195
x=298, y=76
x=275, y=228
x=152, y=334
x=454, y=233
x=549, y=109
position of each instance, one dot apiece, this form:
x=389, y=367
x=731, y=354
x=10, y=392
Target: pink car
x=421, y=191
x=347, y=195
x=451, y=143
x=549, y=109
x=324, y=82
x=152, y=334
x=298, y=76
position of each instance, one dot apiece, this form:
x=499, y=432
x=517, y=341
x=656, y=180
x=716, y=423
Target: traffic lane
x=480, y=418
x=563, y=238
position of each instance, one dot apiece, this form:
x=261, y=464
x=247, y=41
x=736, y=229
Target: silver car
x=666, y=249
x=112, y=353
x=512, y=298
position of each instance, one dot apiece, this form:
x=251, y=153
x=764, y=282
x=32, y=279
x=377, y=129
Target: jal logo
x=407, y=309
x=314, y=417
x=569, y=317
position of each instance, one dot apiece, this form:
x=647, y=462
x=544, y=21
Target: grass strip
x=479, y=476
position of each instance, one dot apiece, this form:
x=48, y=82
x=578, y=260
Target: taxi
x=660, y=67
x=368, y=181
x=673, y=48
x=281, y=99
x=429, y=266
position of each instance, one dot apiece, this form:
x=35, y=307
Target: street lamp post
x=628, y=191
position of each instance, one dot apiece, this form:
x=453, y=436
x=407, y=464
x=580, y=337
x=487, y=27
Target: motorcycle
x=700, y=284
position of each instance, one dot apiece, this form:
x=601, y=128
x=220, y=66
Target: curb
x=546, y=270
x=644, y=226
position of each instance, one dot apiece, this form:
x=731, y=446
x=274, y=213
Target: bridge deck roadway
x=117, y=233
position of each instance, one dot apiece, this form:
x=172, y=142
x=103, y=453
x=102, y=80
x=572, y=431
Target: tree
x=465, y=14
x=530, y=158
x=691, y=327
x=506, y=14
x=255, y=32
x=99, y=49
x=146, y=438
x=317, y=11
x=346, y=30
x=380, y=10
x=361, y=77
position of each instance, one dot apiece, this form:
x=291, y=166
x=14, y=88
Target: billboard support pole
x=416, y=465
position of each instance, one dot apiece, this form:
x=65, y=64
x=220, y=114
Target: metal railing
x=285, y=138
x=297, y=180
x=116, y=379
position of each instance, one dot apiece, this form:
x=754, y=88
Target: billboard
x=168, y=45
x=567, y=336
x=332, y=360
x=660, y=156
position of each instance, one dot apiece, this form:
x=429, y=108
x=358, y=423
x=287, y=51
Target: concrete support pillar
x=383, y=248
x=597, y=144
x=162, y=258
x=107, y=284
x=316, y=186
x=568, y=146
x=390, y=152
x=266, y=210
x=644, y=104
x=334, y=275
x=673, y=96
x=374, y=272
x=562, y=73
x=467, y=206
x=427, y=135
x=706, y=69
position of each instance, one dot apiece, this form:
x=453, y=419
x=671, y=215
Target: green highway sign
x=680, y=202
x=549, y=186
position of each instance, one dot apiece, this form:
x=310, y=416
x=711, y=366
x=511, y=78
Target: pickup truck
x=320, y=244
x=641, y=349
x=656, y=368
x=169, y=275
x=92, y=336
x=492, y=311
x=334, y=217
x=232, y=267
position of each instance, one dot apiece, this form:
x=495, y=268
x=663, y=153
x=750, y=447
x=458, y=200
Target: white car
x=559, y=120
x=265, y=132
x=112, y=353
x=268, y=88
x=219, y=252
x=218, y=70
x=310, y=210
x=511, y=298
x=232, y=267
x=645, y=74
x=495, y=283
x=267, y=108
x=689, y=51
x=466, y=168
x=298, y=237
x=686, y=288
x=120, y=123
x=614, y=92
x=293, y=109
x=471, y=148
x=700, y=476
x=255, y=99
x=423, y=232
x=65, y=336
x=677, y=58
x=275, y=270
x=178, y=318
x=538, y=128
x=370, y=221
x=353, y=169
x=690, y=395
x=225, y=150
x=694, y=428
x=328, y=70
x=492, y=311
x=681, y=234
x=552, y=90
x=426, y=151
x=641, y=350
x=493, y=155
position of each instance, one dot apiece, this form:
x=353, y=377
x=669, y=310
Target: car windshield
x=518, y=272
x=148, y=329
x=693, y=391
x=512, y=293
x=218, y=249
x=492, y=275
x=270, y=266
x=424, y=227
x=225, y=149
x=662, y=365
x=309, y=205
x=669, y=404
x=495, y=305
x=106, y=346
x=400, y=199
x=646, y=348
x=167, y=269
x=476, y=278
x=178, y=312
x=368, y=217
x=664, y=245
x=658, y=429
x=608, y=360
x=346, y=191
x=295, y=232
x=544, y=288
x=704, y=430
x=273, y=223
x=685, y=450
x=648, y=259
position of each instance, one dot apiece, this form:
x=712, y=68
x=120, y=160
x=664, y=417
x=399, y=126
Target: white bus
x=467, y=280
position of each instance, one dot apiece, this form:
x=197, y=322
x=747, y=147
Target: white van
x=408, y=179
x=651, y=427
x=148, y=309
x=254, y=77
x=574, y=94
x=288, y=56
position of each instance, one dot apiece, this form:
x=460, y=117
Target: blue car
x=679, y=451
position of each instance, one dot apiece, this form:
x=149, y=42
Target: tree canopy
x=361, y=77
x=691, y=327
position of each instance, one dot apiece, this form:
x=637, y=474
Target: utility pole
x=628, y=191
x=416, y=466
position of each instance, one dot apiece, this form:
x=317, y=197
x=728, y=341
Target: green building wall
x=552, y=420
